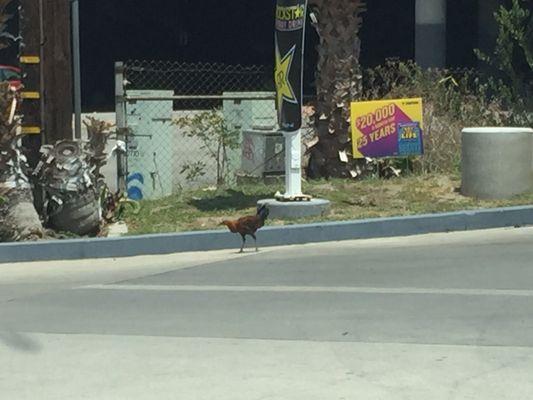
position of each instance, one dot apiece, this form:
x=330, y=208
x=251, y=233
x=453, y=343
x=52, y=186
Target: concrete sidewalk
x=104, y=367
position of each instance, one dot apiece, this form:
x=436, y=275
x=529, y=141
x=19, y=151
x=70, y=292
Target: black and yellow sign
x=290, y=36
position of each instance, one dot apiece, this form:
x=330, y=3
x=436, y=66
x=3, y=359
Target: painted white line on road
x=313, y=289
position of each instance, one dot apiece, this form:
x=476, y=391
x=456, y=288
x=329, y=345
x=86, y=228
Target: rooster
x=248, y=225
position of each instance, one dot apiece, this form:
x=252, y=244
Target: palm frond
x=6, y=38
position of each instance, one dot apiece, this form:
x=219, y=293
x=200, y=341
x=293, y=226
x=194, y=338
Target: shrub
x=452, y=101
x=513, y=53
x=216, y=136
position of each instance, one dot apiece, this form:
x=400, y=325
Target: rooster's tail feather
x=263, y=212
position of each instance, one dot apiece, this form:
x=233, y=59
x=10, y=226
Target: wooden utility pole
x=30, y=62
x=46, y=60
x=57, y=70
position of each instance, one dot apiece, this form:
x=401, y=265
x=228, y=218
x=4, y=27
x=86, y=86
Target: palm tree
x=18, y=218
x=339, y=81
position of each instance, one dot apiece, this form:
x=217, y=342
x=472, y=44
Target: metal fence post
x=75, y=10
x=120, y=118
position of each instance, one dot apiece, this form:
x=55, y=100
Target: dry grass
x=372, y=198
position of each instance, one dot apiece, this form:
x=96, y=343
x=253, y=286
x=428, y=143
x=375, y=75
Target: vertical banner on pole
x=290, y=37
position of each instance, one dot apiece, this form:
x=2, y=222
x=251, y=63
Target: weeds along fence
x=453, y=99
x=191, y=125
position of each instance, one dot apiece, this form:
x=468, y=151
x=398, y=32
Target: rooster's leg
x=255, y=240
x=243, y=241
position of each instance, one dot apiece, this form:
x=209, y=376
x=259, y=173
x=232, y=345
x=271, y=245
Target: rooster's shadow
x=230, y=200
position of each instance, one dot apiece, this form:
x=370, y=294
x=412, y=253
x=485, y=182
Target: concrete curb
x=269, y=236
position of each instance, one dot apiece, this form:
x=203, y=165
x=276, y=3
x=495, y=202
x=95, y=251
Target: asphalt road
x=445, y=316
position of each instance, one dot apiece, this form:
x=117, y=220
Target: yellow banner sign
x=387, y=128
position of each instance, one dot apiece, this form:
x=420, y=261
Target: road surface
x=443, y=316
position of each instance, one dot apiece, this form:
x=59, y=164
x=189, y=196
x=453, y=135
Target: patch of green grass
x=196, y=210
x=370, y=198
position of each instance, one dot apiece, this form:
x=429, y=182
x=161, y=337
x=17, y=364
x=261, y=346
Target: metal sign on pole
x=290, y=37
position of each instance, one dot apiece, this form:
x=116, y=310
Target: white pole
x=293, y=164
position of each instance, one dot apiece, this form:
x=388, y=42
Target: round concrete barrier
x=497, y=163
x=296, y=209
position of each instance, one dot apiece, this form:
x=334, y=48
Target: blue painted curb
x=269, y=236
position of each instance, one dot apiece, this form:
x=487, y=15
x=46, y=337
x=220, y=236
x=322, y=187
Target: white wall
x=187, y=150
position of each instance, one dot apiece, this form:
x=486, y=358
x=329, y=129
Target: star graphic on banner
x=299, y=13
x=283, y=68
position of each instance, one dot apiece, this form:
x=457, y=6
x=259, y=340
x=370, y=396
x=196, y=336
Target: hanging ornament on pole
x=290, y=37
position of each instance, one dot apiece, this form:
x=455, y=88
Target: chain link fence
x=196, y=125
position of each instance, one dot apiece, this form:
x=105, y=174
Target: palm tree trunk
x=339, y=82
x=18, y=218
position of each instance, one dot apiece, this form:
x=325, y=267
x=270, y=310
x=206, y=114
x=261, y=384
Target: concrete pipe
x=497, y=163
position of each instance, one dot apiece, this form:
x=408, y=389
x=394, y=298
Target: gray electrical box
x=150, y=146
x=263, y=153
x=248, y=113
